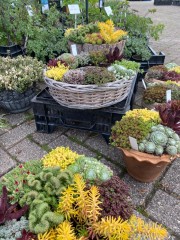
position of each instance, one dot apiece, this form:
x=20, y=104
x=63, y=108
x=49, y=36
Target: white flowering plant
x=19, y=73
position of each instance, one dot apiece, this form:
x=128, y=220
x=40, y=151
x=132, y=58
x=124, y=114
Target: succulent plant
x=74, y=76
x=136, y=123
x=83, y=59
x=69, y=59
x=161, y=140
x=97, y=75
x=91, y=169
x=156, y=72
x=97, y=57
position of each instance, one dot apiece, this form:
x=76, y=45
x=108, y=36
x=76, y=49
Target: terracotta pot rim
x=145, y=157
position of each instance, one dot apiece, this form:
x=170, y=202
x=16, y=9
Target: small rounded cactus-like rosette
x=144, y=167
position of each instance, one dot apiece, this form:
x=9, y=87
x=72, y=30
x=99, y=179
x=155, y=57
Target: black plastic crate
x=48, y=114
x=176, y=2
x=162, y=2
x=12, y=51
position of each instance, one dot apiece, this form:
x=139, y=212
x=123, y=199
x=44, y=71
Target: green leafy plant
x=19, y=73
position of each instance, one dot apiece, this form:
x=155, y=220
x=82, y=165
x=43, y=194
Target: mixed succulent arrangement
x=19, y=73
x=68, y=196
x=96, y=33
x=164, y=73
x=145, y=126
x=86, y=68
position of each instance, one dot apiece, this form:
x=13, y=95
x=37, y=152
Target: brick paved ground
x=157, y=201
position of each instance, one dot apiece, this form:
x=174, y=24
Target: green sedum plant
x=136, y=123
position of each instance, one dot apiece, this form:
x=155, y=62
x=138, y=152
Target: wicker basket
x=86, y=47
x=89, y=96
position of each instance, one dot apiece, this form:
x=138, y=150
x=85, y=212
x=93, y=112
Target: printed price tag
x=168, y=95
x=45, y=7
x=29, y=9
x=108, y=10
x=100, y=3
x=144, y=84
x=74, y=49
x=74, y=9
x=133, y=143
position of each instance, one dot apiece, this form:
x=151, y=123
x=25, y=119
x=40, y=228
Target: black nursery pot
x=11, y=50
x=15, y=102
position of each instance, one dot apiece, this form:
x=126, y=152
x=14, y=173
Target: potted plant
x=155, y=143
x=156, y=93
x=69, y=197
x=89, y=87
x=97, y=36
x=163, y=74
x=18, y=77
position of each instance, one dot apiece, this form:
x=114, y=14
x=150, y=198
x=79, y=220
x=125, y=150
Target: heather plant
x=69, y=59
x=156, y=72
x=26, y=235
x=19, y=73
x=11, y=230
x=16, y=180
x=172, y=75
x=74, y=76
x=136, y=123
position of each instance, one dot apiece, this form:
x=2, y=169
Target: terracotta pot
x=144, y=167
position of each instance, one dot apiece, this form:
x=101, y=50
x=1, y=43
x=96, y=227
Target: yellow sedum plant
x=57, y=73
x=49, y=235
x=108, y=32
x=60, y=157
x=176, y=69
x=145, y=114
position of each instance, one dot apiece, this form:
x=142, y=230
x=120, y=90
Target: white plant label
x=74, y=9
x=133, y=143
x=29, y=10
x=74, y=49
x=45, y=7
x=168, y=95
x=108, y=10
x=100, y=3
x=143, y=82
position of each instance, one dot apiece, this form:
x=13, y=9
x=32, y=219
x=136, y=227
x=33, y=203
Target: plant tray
x=12, y=51
x=49, y=114
x=162, y=2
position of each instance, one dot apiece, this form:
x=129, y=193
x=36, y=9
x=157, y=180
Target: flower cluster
x=19, y=73
x=108, y=32
x=58, y=72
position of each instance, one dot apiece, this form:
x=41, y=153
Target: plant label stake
x=100, y=3
x=29, y=10
x=108, y=10
x=74, y=49
x=74, y=9
x=133, y=143
x=168, y=95
x=143, y=82
x=45, y=5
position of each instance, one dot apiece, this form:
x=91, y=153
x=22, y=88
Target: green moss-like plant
x=41, y=218
x=47, y=184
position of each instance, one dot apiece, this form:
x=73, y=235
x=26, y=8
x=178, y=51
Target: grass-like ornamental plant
x=136, y=123
x=19, y=73
x=61, y=157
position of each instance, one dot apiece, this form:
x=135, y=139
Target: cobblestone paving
x=158, y=201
